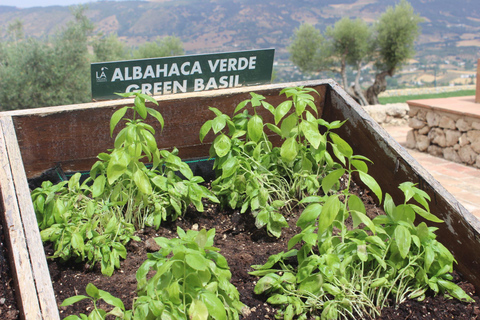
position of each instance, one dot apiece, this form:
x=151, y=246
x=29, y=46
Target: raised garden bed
x=72, y=136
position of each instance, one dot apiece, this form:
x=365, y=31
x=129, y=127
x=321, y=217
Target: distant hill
x=451, y=28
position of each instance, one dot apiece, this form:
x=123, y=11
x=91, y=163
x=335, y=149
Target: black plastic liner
x=202, y=167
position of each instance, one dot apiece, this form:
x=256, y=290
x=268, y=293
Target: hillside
x=451, y=30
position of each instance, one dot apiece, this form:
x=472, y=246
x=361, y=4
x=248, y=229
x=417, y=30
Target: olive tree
x=396, y=32
x=72, y=59
x=108, y=48
x=38, y=73
x=56, y=70
x=352, y=43
x=161, y=47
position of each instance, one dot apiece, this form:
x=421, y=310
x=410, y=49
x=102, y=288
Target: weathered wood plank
x=74, y=135
x=18, y=253
x=43, y=283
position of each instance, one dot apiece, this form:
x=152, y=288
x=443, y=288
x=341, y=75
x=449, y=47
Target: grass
x=402, y=99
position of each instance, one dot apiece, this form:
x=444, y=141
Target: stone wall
x=395, y=114
x=455, y=137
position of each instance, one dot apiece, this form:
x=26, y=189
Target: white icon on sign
x=102, y=77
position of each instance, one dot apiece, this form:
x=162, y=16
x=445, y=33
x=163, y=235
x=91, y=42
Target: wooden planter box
x=33, y=141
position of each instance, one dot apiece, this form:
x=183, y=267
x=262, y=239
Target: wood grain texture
x=73, y=136
x=43, y=283
x=19, y=257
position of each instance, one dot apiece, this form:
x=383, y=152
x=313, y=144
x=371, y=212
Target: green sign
x=182, y=73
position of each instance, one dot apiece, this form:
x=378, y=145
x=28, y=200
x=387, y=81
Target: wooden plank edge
x=159, y=98
x=27, y=300
x=43, y=283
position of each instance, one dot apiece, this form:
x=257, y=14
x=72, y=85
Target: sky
x=41, y=3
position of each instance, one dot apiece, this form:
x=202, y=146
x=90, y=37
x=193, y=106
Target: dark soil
x=242, y=245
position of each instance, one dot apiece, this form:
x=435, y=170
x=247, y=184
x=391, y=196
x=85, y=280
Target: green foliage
x=80, y=227
x=72, y=64
x=94, y=294
x=350, y=40
x=404, y=99
x=56, y=71
x=108, y=48
x=252, y=174
x=246, y=174
x=396, y=32
x=343, y=273
x=186, y=279
x=388, y=44
x=161, y=47
x=190, y=279
x=304, y=49
x=36, y=73
x=25, y=75
x=93, y=221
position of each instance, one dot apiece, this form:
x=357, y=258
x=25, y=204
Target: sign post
x=179, y=74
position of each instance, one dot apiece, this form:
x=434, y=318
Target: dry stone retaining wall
x=395, y=114
x=453, y=136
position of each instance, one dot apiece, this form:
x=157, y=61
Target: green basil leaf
x=267, y=282
x=312, y=284
x=196, y=261
x=78, y=242
x=72, y=300
x=289, y=150
x=222, y=145
x=140, y=107
x=142, y=182
x=360, y=165
x=309, y=215
x=282, y=110
x=268, y=106
x=157, y=115
x=117, y=166
x=310, y=130
x=198, y=310
x=403, y=240
x=255, y=128
x=116, y=117
x=205, y=129
x=359, y=217
x=329, y=181
x=425, y=214
x=108, y=298
x=370, y=182
x=215, y=307
x=241, y=105
x=274, y=128
x=98, y=186
x=277, y=299
x=218, y=123
x=92, y=291
x=288, y=126
x=342, y=145
x=454, y=290
x=329, y=212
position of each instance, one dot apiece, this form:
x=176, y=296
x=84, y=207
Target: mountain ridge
x=218, y=24
x=449, y=31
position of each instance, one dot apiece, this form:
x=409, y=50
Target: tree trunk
x=379, y=86
x=357, y=89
